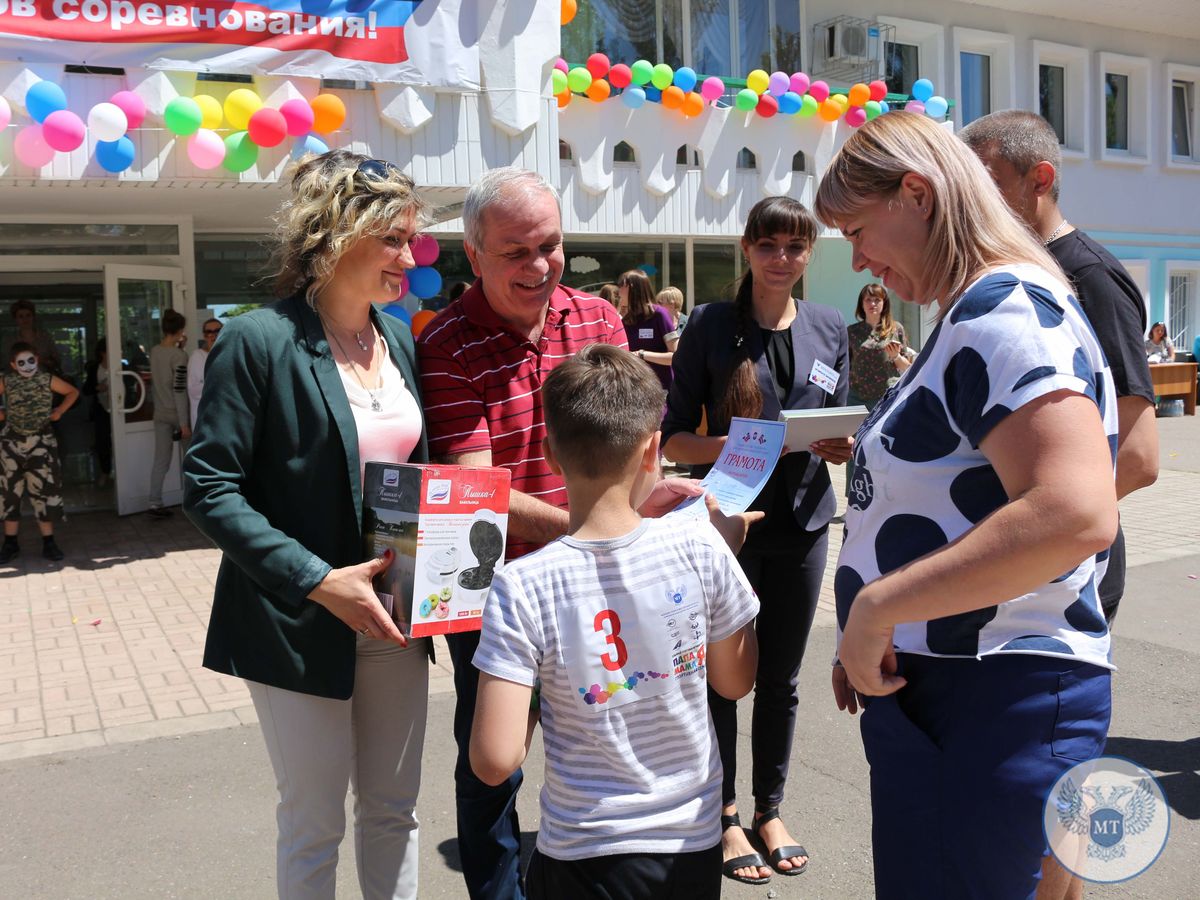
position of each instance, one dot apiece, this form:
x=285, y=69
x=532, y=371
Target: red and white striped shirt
x=481, y=383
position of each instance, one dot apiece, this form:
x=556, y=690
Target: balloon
x=778, y=83
x=839, y=100
x=712, y=88
x=871, y=108
x=685, y=79
x=758, y=81
x=132, y=105
x=830, y=112
x=936, y=107
x=653, y=94
x=424, y=281
x=569, y=8
x=693, y=104
x=240, y=105
x=789, y=103
x=43, y=98
x=620, y=76
x=662, y=76
x=240, y=152
x=205, y=149
x=767, y=106
x=598, y=65
x=914, y=106
x=598, y=91
x=115, y=156
x=799, y=83
x=31, y=148
x=558, y=82
x=183, y=116
x=397, y=310
x=579, y=79
x=267, y=127
x=859, y=94
x=808, y=106
x=63, y=130
x=633, y=97
x=642, y=71
x=922, y=89
x=745, y=100
x=310, y=143
x=5, y=113
x=856, y=116
x=329, y=112
x=819, y=91
x=422, y=319
x=212, y=115
x=563, y=99
x=672, y=98
x=424, y=249
x=878, y=89
x=883, y=107
x=105, y=121
x=298, y=116
x=561, y=65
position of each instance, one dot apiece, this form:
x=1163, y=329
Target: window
x=798, y=162
x=1052, y=86
x=1125, y=91
x=1183, y=132
x=900, y=64
x=975, y=86
x=712, y=37
x=746, y=159
x=1061, y=92
x=1116, y=111
x=986, y=73
x=769, y=35
x=623, y=153
x=916, y=50
x=625, y=31
x=1181, y=307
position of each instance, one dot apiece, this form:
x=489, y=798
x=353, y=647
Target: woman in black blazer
x=754, y=357
x=297, y=397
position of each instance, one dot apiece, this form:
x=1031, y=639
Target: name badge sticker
x=823, y=377
x=645, y=334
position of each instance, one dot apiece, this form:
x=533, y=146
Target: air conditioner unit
x=846, y=42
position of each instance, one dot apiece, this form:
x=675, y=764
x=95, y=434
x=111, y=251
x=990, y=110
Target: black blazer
x=272, y=477
x=704, y=361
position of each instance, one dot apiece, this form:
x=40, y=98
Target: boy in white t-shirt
x=620, y=624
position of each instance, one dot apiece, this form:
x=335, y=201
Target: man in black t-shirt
x=1022, y=153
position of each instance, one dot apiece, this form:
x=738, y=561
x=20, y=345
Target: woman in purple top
x=649, y=328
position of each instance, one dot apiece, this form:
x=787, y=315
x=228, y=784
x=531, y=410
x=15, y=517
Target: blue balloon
x=653, y=94
x=649, y=268
x=883, y=107
x=44, y=98
x=115, y=156
x=633, y=96
x=685, y=78
x=936, y=107
x=789, y=103
x=397, y=310
x=310, y=143
x=922, y=89
x=424, y=281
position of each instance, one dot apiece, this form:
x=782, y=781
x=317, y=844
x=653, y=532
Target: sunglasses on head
x=377, y=168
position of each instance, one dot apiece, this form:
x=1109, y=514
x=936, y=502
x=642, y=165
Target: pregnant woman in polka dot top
x=978, y=528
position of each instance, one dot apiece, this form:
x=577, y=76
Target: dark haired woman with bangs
x=753, y=358
x=649, y=328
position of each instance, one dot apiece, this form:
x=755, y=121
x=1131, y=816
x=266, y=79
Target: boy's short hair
x=20, y=347
x=599, y=406
x=172, y=322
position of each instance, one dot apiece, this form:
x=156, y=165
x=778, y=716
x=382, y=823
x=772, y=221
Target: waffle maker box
x=447, y=526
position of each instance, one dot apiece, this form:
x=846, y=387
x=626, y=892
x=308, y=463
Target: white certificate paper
x=741, y=471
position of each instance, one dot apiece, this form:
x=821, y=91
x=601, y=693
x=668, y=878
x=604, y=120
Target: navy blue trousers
x=627, y=876
x=962, y=760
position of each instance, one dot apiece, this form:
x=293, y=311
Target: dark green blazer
x=272, y=477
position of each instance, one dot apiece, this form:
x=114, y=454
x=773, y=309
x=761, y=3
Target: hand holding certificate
x=806, y=426
x=741, y=471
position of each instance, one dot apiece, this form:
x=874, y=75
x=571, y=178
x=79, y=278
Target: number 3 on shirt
x=611, y=637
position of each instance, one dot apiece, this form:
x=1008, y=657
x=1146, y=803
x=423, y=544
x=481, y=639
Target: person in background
x=1158, y=346
x=172, y=422
x=24, y=314
x=29, y=463
x=879, y=351
x=195, y=366
x=97, y=385
x=671, y=299
x=754, y=357
x=649, y=329
x=611, y=293
x=298, y=397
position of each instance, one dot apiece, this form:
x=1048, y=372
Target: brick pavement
x=66, y=683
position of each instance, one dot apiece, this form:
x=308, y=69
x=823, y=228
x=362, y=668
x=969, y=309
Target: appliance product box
x=447, y=526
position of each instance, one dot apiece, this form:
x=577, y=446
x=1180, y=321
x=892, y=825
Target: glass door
x=134, y=300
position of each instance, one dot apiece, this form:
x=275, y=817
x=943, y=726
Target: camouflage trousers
x=29, y=467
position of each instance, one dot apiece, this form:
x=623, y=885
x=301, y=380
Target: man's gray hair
x=497, y=187
x=1021, y=138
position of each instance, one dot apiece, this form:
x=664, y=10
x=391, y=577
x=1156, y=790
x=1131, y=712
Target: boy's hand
x=732, y=528
x=668, y=493
x=56, y=414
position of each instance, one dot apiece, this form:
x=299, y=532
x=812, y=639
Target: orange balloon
x=672, y=97
x=830, y=112
x=569, y=8
x=693, y=104
x=421, y=319
x=563, y=99
x=598, y=90
x=859, y=94
x=329, y=112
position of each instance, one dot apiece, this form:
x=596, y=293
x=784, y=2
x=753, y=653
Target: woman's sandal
x=787, y=851
x=730, y=866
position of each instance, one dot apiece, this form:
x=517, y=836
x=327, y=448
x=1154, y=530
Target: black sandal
x=729, y=867
x=787, y=851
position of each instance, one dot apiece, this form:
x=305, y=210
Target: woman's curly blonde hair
x=333, y=206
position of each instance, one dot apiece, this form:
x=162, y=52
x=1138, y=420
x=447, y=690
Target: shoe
x=9, y=551
x=787, y=851
x=159, y=512
x=730, y=866
x=51, y=550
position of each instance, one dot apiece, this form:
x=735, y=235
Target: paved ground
x=133, y=772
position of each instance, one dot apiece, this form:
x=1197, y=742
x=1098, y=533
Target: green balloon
x=871, y=107
x=183, y=116
x=642, y=71
x=240, y=152
x=808, y=106
x=579, y=79
x=661, y=76
x=558, y=81
x=745, y=100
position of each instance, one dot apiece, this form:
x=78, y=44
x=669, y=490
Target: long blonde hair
x=970, y=227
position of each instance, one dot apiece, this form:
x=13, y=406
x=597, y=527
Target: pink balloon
x=298, y=115
x=561, y=65
x=5, y=113
x=856, y=116
x=31, y=148
x=424, y=249
x=914, y=106
x=63, y=130
x=267, y=127
x=205, y=149
x=819, y=91
x=132, y=105
x=799, y=83
x=712, y=88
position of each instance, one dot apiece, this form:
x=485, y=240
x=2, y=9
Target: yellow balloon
x=240, y=105
x=758, y=80
x=211, y=114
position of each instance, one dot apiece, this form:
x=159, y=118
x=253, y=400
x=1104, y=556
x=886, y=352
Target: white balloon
x=107, y=122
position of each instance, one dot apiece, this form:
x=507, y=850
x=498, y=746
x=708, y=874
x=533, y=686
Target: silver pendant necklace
x=376, y=406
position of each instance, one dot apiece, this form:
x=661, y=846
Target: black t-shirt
x=1113, y=305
